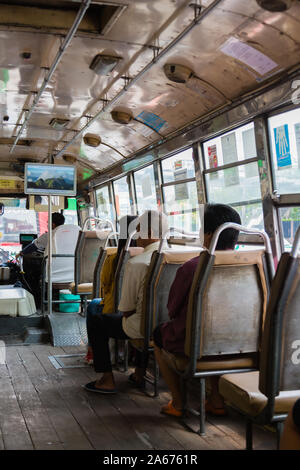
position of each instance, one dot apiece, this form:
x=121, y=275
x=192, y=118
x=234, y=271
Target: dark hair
x=124, y=224
x=216, y=215
x=57, y=219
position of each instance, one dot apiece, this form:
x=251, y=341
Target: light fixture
x=59, y=123
x=104, y=64
x=69, y=158
x=275, y=5
x=121, y=117
x=178, y=73
x=92, y=140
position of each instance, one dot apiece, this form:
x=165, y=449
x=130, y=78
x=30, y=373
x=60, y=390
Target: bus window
x=284, y=132
x=238, y=184
x=122, y=199
x=104, y=205
x=15, y=220
x=180, y=191
x=145, y=189
x=70, y=213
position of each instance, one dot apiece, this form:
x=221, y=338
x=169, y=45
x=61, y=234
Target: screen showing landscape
x=50, y=179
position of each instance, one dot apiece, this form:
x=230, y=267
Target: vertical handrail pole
x=49, y=255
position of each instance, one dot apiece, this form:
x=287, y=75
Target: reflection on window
x=145, y=189
x=290, y=221
x=284, y=132
x=104, y=207
x=181, y=205
x=240, y=183
x=122, y=200
x=178, y=167
x=231, y=147
x=251, y=215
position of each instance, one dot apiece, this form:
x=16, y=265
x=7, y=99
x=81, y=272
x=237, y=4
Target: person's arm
x=31, y=248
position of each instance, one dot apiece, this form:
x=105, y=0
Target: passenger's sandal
x=170, y=410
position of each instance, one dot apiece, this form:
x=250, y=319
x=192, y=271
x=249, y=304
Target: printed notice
x=248, y=55
x=212, y=156
x=146, y=186
x=282, y=145
x=249, y=147
x=297, y=134
x=231, y=175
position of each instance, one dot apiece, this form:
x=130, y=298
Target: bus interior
x=162, y=105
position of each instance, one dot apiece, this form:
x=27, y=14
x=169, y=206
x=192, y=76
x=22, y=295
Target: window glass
x=104, y=207
x=145, y=189
x=15, y=220
x=181, y=205
x=122, y=199
x=290, y=221
x=240, y=183
x=284, y=132
x=179, y=167
x=231, y=147
x=251, y=215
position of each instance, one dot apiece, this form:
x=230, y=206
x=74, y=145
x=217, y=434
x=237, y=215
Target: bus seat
x=225, y=316
x=158, y=281
x=268, y=395
x=64, y=240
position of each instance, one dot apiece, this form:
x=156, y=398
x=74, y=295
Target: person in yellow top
x=106, y=303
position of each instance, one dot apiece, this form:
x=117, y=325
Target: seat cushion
x=84, y=288
x=179, y=362
x=241, y=390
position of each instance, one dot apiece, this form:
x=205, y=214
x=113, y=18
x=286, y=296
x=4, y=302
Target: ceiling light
x=275, y=5
x=59, y=123
x=121, y=117
x=92, y=140
x=178, y=73
x=104, y=64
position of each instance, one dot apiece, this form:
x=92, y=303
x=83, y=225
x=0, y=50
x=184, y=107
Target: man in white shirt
x=125, y=324
x=40, y=243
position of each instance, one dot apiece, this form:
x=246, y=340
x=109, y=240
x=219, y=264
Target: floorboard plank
x=37, y=421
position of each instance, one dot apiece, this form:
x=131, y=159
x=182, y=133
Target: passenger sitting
x=171, y=335
x=107, y=280
x=40, y=243
x=125, y=324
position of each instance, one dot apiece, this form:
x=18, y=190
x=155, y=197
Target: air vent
x=53, y=15
x=69, y=158
x=92, y=140
x=121, y=117
x=10, y=141
x=59, y=123
x=178, y=73
x=275, y=5
x=104, y=64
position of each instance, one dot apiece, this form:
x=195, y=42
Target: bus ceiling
x=97, y=83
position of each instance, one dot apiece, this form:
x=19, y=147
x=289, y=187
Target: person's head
x=57, y=219
x=151, y=227
x=216, y=215
x=124, y=229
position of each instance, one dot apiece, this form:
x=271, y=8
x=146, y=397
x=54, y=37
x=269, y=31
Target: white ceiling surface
x=75, y=91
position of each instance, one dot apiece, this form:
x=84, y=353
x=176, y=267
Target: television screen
x=46, y=179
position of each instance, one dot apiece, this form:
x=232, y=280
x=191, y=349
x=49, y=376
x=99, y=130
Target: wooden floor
x=45, y=408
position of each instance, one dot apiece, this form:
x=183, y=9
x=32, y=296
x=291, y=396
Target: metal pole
x=49, y=256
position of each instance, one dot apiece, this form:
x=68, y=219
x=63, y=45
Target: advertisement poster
x=212, y=156
x=282, y=145
x=231, y=175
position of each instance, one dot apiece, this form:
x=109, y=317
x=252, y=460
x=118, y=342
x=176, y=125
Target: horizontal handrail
x=241, y=228
x=111, y=235
x=296, y=244
x=98, y=219
x=168, y=232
